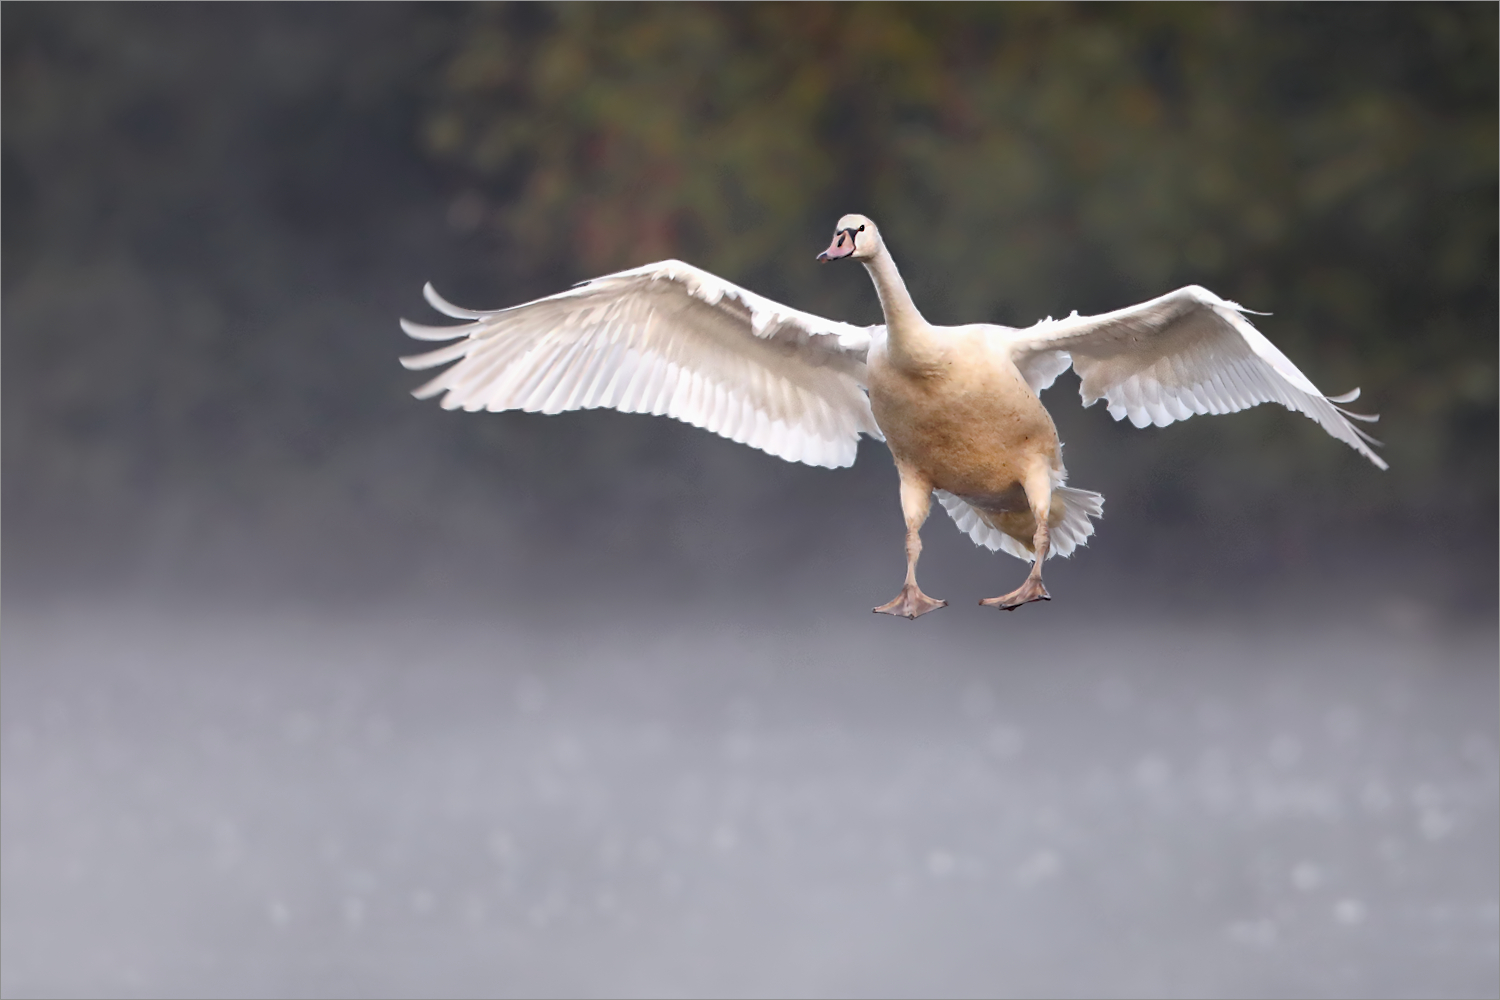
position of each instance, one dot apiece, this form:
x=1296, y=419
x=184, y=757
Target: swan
x=958, y=406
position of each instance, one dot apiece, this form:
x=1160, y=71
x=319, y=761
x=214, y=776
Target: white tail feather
x=1073, y=530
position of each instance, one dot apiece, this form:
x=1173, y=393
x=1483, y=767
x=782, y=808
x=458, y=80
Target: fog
x=409, y=803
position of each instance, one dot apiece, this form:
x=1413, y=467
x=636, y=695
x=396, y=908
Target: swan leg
x=916, y=501
x=1039, y=497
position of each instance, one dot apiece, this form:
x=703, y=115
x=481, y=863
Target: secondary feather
x=1182, y=353
x=668, y=339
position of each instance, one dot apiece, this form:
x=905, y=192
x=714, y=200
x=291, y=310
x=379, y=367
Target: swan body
x=957, y=406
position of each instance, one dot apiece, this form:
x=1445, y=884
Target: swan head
x=856, y=237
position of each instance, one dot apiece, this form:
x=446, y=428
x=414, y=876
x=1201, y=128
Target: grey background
x=311, y=689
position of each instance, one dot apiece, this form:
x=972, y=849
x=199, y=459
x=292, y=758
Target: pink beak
x=842, y=246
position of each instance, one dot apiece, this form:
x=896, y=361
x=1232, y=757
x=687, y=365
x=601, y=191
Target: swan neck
x=895, y=301
x=909, y=340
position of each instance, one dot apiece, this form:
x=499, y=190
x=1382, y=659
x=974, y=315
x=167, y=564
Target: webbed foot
x=910, y=603
x=1031, y=590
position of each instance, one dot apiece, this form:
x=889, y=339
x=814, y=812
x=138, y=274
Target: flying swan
x=957, y=405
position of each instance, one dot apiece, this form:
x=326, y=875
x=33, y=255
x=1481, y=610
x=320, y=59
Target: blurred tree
x=196, y=204
x=1335, y=165
x=211, y=212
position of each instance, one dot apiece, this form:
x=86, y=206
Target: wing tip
x=421, y=331
x=447, y=308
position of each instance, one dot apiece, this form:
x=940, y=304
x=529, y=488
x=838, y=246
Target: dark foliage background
x=213, y=215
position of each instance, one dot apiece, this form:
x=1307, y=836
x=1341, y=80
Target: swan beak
x=842, y=246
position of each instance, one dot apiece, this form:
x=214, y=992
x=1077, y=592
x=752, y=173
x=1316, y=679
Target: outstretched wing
x=668, y=339
x=1187, y=352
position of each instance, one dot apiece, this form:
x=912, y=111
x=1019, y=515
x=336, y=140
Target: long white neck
x=908, y=336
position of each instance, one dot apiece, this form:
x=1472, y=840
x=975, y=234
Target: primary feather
x=1186, y=352
x=668, y=339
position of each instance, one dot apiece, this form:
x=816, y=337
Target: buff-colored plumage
x=957, y=406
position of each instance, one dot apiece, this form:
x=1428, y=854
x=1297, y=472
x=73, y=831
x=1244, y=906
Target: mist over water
x=745, y=801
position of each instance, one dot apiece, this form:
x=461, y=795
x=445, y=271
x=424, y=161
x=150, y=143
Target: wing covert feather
x=1187, y=352
x=668, y=339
